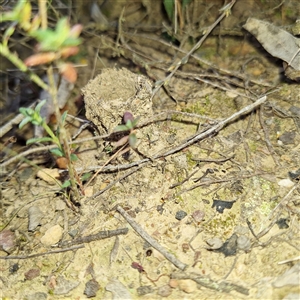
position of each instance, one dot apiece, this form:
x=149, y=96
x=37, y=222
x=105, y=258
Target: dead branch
x=151, y=240
x=41, y=254
x=222, y=286
x=94, y=237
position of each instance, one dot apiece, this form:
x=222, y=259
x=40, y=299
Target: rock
x=180, y=215
x=60, y=205
x=187, y=285
x=64, y=286
x=173, y=283
x=48, y=175
x=52, y=235
x=198, y=215
x=7, y=241
x=243, y=243
x=145, y=289
x=91, y=288
x=35, y=217
x=286, y=183
x=214, y=243
x=31, y=274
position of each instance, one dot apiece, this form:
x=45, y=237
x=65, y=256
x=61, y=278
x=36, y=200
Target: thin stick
x=94, y=237
x=41, y=254
x=214, y=129
x=21, y=156
x=113, y=183
x=222, y=286
x=151, y=240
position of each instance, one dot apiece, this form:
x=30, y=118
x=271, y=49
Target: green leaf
x=64, y=116
x=129, y=124
x=73, y=157
x=24, y=122
x=66, y=184
x=39, y=106
x=86, y=176
x=57, y=152
x=135, y=121
x=39, y=140
x=169, y=7
x=132, y=140
x=121, y=128
x=71, y=41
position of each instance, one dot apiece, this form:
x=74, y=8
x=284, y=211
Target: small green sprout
x=34, y=117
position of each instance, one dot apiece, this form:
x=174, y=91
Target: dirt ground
x=221, y=202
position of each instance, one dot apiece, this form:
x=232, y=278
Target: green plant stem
x=51, y=134
x=22, y=67
x=63, y=132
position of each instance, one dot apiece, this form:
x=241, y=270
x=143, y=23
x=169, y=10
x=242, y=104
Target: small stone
x=198, y=215
x=287, y=137
x=60, y=205
x=143, y=290
x=180, y=215
x=173, y=283
x=72, y=233
x=31, y=274
x=91, y=288
x=52, y=235
x=7, y=241
x=164, y=291
x=214, y=243
x=286, y=183
x=243, y=243
x=48, y=175
x=187, y=285
x=64, y=286
x=35, y=217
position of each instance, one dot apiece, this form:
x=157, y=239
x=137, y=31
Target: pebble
x=60, y=205
x=187, y=285
x=173, y=283
x=48, y=175
x=180, y=215
x=198, y=215
x=31, y=274
x=7, y=241
x=214, y=243
x=286, y=183
x=143, y=290
x=52, y=235
x=64, y=286
x=91, y=288
x=35, y=217
x=243, y=243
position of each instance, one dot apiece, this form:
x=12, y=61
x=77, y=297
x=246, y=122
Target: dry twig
x=151, y=240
